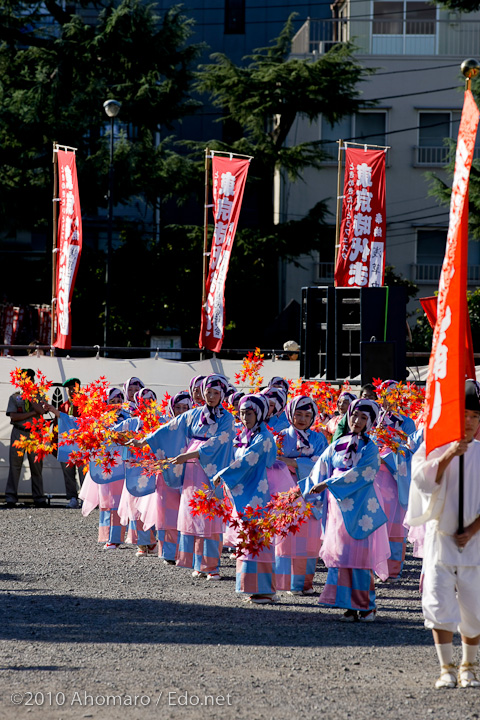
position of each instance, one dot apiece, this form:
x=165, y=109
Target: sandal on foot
x=198, y=574
x=213, y=576
x=262, y=599
x=367, y=616
x=349, y=616
x=448, y=677
x=468, y=675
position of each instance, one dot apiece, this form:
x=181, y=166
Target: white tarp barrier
x=161, y=375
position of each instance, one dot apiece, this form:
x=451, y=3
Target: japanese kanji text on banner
x=445, y=393
x=361, y=255
x=229, y=177
x=69, y=246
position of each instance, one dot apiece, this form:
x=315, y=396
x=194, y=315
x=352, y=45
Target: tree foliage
x=264, y=98
x=56, y=70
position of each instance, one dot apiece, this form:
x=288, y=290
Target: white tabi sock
x=445, y=653
x=469, y=653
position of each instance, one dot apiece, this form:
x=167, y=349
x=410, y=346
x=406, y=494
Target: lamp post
x=112, y=108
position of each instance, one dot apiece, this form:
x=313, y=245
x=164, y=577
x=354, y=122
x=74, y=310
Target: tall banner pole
x=205, y=238
x=469, y=70
x=339, y=199
x=55, y=200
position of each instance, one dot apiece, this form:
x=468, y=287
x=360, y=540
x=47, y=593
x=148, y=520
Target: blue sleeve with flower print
x=217, y=451
x=352, y=488
x=307, y=457
x=246, y=476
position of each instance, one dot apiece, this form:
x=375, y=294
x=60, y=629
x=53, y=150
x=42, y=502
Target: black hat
x=70, y=382
x=472, y=395
x=29, y=373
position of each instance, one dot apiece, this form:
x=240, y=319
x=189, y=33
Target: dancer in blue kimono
x=277, y=399
x=200, y=441
x=355, y=541
x=195, y=390
x=296, y=555
x=246, y=483
x=394, y=478
x=129, y=512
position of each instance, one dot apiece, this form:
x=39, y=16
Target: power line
x=421, y=92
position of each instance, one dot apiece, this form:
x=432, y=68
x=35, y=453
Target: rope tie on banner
x=209, y=206
x=56, y=199
x=386, y=314
x=55, y=250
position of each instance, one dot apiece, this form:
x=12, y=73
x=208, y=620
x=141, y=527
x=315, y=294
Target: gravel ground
x=93, y=634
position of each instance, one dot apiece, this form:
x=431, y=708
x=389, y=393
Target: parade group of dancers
x=366, y=500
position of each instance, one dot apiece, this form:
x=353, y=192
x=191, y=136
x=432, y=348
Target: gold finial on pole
x=469, y=68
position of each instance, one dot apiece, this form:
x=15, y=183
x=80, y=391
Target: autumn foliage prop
x=407, y=398
x=41, y=437
x=94, y=435
x=250, y=372
x=256, y=527
x=388, y=437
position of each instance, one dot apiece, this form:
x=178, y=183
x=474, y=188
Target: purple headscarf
x=301, y=402
x=259, y=404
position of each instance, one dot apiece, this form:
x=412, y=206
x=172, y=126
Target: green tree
x=260, y=102
x=57, y=69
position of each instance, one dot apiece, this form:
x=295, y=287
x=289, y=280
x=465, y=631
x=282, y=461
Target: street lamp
x=112, y=108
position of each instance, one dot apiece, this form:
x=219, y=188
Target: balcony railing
x=430, y=274
x=460, y=36
x=435, y=155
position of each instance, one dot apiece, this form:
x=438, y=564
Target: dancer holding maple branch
x=356, y=539
x=160, y=508
x=395, y=471
x=200, y=442
x=296, y=554
x=247, y=486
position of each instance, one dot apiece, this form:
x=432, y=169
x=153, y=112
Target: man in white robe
x=451, y=588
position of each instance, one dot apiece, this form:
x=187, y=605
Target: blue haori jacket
x=278, y=422
x=174, y=438
x=246, y=476
x=400, y=463
x=65, y=424
x=307, y=457
x=352, y=488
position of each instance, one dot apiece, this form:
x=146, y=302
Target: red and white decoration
x=229, y=177
x=69, y=246
x=361, y=255
x=445, y=392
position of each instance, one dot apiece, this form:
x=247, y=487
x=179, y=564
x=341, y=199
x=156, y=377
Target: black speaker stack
x=350, y=332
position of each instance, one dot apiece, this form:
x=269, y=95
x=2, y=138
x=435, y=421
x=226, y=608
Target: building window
x=433, y=128
x=365, y=126
x=403, y=18
x=370, y=126
x=431, y=251
x=234, y=17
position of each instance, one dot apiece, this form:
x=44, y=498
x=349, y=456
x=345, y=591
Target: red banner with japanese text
x=429, y=305
x=229, y=177
x=361, y=251
x=445, y=392
x=69, y=246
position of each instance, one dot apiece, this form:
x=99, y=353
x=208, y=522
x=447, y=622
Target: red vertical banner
x=361, y=255
x=445, y=393
x=69, y=246
x=429, y=305
x=229, y=177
